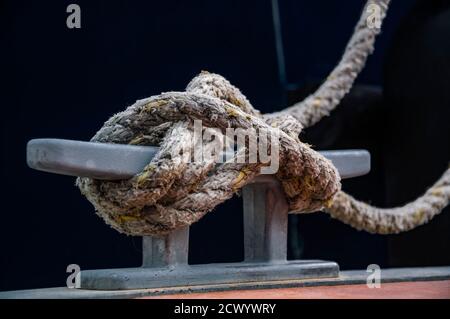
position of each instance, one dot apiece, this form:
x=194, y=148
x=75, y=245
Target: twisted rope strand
x=392, y=220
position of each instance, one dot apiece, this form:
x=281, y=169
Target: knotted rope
x=171, y=192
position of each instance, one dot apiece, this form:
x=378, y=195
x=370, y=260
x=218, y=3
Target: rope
x=171, y=192
x=392, y=220
x=339, y=82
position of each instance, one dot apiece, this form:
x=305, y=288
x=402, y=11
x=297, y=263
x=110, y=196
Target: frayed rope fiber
x=171, y=192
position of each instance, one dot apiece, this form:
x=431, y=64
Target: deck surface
x=400, y=290
x=423, y=282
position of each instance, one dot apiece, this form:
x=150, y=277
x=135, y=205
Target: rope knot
x=176, y=189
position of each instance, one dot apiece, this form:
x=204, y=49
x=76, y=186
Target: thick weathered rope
x=339, y=82
x=171, y=192
x=392, y=220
